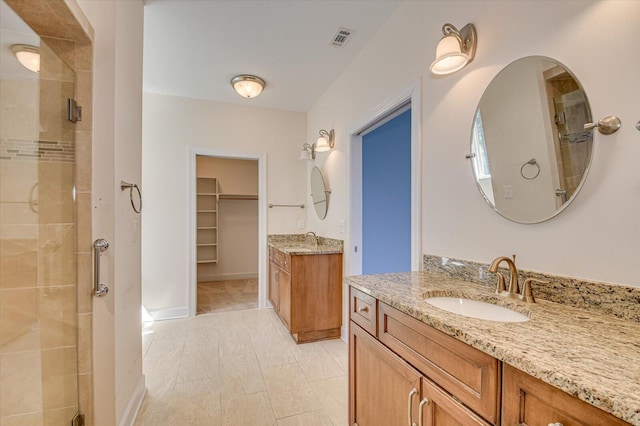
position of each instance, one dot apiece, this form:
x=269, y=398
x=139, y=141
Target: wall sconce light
x=248, y=86
x=455, y=50
x=28, y=56
x=325, y=142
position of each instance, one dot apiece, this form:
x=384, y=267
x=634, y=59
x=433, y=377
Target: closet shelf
x=207, y=227
x=207, y=245
x=206, y=211
x=207, y=261
x=207, y=193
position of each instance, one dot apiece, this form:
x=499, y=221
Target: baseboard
x=228, y=277
x=172, y=313
x=130, y=414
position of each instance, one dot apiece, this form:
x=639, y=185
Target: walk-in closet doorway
x=226, y=230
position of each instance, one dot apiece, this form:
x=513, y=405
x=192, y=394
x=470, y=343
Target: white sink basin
x=476, y=309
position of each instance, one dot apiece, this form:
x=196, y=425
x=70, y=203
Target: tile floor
x=241, y=368
x=221, y=296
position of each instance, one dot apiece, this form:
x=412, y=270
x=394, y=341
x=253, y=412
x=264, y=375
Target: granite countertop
x=587, y=354
x=297, y=244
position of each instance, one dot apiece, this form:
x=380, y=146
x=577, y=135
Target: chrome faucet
x=514, y=290
x=315, y=237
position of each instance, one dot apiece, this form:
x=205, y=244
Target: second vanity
x=412, y=363
x=305, y=285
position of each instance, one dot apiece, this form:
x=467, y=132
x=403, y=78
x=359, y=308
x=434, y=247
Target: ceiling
x=192, y=48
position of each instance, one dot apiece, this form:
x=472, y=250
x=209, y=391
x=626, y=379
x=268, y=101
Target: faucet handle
x=500, y=286
x=527, y=292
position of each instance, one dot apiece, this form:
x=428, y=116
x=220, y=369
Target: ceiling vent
x=342, y=37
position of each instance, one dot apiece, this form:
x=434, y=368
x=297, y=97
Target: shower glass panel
x=38, y=331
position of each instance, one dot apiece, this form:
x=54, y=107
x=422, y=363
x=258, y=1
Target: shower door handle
x=99, y=246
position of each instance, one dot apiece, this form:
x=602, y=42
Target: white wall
x=512, y=141
x=117, y=129
x=172, y=125
x=594, y=238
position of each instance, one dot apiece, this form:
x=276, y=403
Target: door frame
x=262, y=219
x=410, y=94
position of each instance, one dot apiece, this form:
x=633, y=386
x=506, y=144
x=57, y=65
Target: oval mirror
x=319, y=193
x=529, y=151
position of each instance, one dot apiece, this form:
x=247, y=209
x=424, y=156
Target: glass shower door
x=38, y=330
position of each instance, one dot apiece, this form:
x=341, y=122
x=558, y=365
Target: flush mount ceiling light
x=325, y=142
x=248, y=86
x=455, y=50
x=28, y=56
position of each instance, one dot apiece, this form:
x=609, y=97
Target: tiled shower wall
x=45, y=298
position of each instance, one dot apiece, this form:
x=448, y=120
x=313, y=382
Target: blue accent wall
x=386, y=197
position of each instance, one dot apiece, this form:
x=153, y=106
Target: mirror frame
x=588, y=165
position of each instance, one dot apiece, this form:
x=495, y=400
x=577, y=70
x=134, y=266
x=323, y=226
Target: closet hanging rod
x=237, y=197
x=286, y=205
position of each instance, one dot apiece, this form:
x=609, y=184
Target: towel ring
x=531, y=162
x=131, y=186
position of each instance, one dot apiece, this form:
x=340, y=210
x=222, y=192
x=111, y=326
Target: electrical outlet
x=508, y=191
x=301, y=224
x=341, y=226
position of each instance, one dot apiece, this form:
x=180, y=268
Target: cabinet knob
x=363, y=309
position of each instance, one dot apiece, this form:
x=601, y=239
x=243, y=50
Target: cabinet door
x=273, y=285
x=284, y=296
x=528, y=401
x=438, y=408
x=383, y=389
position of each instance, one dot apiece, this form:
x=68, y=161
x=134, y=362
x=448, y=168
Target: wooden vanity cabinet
x=306, y=293
x=454, y=383
x=528, y=401
x=384, y=390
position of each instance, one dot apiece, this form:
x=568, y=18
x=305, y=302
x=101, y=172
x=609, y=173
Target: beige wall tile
x=83, y=221
x=19, y=325
x=58, y=416
x=85, y=282
x=18, y=187
x=57, y=316
x=59, y=378
x=84, y=86
x=85, y=340
x=56, y=192
x=31, y=419
x=83, y=161
x=20, y=120
x=83, y=56
x=85, y=397
x=57, y=256
x=56, y=59
x=19, y=259
x=20, y=383
x=54, y=125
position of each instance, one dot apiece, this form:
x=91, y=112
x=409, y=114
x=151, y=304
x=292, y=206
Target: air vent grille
x=342, y=37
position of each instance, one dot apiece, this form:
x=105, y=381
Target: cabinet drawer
x=281, y=259
x=440, y=408
x=469, y=374
x=362, y=308
x=529, y=401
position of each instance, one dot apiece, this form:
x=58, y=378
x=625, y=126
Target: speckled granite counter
x=587, y=354
x=297, y=244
